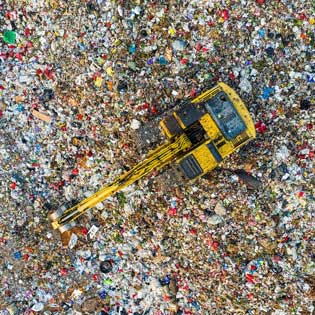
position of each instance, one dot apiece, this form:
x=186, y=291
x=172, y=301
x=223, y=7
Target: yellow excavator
x=200, y=134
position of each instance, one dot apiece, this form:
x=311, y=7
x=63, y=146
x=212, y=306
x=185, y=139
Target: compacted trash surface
x=80, y=81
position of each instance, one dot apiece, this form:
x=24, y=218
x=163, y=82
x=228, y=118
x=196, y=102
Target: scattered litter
x=79, y=82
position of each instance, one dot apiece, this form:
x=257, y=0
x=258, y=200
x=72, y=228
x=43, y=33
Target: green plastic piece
x=108, y=281
x=9, y=37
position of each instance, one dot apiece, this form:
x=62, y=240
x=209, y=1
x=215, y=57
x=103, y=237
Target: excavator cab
x=216, y=122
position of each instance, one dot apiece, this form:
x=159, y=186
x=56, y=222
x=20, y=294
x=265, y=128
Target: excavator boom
x=156, y=159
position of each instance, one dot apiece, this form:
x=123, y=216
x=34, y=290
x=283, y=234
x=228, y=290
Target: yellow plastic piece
x=98, y=81
x=110, y=71
x=172, y=31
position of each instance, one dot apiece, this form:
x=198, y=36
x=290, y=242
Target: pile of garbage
x=79, y=80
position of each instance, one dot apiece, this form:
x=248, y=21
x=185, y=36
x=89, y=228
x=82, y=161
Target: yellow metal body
x=183, y=143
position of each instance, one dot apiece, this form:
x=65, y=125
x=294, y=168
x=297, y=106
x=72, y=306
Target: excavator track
x=64, y=219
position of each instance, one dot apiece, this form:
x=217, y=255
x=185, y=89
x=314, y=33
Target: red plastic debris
x=301, y=194
x=48, y=73
x=215, y=245
x=225, y=14
x=61, y=183
x=19, y=56
x=95, y=277
x=260, y=2
x=75, y=171
x=302, y=17
x=167, y=298
x=172, y=211
x=26, y=257
x=231, y=76
x=184, y=61
x=145, y=106
x=193, y=92
x=285, y=239
x=153, y=110
x=250, y=296
x=186, y=215
x=27, y=32
x=260, y=127
x=13, y=185
x=250, y=278
x=185, y=287
x=192, y=231
x=84, y=231
x=198, y=46
x=29, y=44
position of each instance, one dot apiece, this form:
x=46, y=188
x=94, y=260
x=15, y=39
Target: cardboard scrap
x=41, y=116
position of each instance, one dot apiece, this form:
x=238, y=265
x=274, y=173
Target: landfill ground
x=79, y=80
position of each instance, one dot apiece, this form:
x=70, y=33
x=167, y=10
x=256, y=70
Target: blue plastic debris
x=165, y=281
x=267, y=92
x=20, y=108
x=195, y=305
x=162, y=61
x=150, y=61
x=261, y=33
x=37, y=148
x=102, y=294
x=132, y=48
x=310, y=78
x=17, y=255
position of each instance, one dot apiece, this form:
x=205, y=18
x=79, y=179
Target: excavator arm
x=64, y=219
